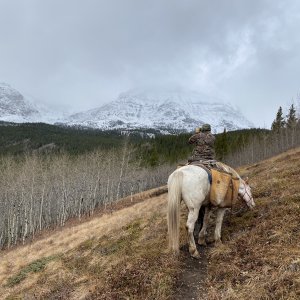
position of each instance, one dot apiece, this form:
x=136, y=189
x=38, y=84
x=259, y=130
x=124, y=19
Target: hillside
x=122, y=253
x=44, y=138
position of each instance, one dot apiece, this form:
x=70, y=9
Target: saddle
x=224, y=185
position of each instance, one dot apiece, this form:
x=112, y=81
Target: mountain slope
x=15, y=107
x=162, y=110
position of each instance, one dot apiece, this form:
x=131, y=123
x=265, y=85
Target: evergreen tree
x=279, y=121
x=222, y=145
x=291, y=118
x=153, y=157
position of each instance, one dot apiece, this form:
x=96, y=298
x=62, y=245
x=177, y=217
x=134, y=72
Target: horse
x=191, y=184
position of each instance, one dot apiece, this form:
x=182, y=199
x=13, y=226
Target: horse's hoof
x=202, y=242
x=196, y=255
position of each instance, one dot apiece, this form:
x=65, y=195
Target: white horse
x=191, y=184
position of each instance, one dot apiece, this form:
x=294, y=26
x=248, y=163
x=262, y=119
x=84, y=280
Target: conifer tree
x=279, y=121
x=291, y=118
x=222, y=145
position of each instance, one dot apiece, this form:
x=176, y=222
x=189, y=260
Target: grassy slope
x=118, y=255
x=123, y=255
x=260, y=257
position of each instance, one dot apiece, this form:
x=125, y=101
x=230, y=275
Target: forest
x=44, y=139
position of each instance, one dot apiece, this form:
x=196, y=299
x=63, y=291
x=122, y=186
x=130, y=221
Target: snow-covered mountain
x=15, y=107
x=162, y=111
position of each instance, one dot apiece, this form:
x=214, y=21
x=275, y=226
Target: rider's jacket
x=204, y=146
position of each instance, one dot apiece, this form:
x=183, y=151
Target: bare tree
x=41, y=192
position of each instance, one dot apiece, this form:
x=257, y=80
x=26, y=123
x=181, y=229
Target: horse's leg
x=219, y=221
x=199, y=222
x=190, y=225
x=203, y=231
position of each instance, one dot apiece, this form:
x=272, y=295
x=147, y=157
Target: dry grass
x=260, y=258
x=68, y=238
x=120, y=255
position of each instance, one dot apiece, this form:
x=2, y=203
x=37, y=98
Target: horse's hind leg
x=203, y=231
x=190, y=224
x=219, y=221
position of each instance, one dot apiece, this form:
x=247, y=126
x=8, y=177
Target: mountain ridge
x=17, y=108
x=180, y=110
x=13, y=105
x=162, y=110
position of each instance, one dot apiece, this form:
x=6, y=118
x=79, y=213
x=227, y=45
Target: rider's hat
x=205, y=127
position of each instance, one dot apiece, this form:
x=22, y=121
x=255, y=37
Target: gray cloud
x=80, y=54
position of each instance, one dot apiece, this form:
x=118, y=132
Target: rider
x=204, y=140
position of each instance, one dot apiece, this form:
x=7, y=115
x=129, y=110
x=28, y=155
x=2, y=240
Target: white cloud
x=79, y=54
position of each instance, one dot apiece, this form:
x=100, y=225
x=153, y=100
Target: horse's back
x=190, y=171
x=195, y=182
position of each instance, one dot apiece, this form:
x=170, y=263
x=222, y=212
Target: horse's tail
x=174, y=198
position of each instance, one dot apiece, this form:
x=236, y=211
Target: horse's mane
x=228, y=169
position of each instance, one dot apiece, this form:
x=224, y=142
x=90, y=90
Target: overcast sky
x=79, y=54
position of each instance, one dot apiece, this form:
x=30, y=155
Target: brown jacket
x=204, y=145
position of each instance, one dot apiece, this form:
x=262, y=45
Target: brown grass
x=119, y=255
x=260, y=257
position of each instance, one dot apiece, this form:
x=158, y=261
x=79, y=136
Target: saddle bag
x=224, y=188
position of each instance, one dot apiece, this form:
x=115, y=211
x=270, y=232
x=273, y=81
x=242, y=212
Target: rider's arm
x=210, y=140
x=194, y=138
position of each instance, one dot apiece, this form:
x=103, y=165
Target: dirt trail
x=191, y=280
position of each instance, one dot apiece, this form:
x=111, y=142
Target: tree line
x=45, y=139
x=170, y=149
x=290, y=121
x=284, y=135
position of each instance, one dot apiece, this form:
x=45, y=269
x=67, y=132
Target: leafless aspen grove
x=43, y=192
